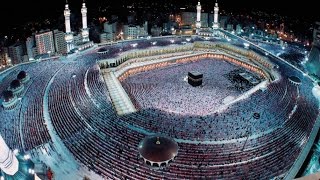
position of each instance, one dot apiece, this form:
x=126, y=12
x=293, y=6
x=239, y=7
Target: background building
x=16, y=53
x=30, y=46
x=44, y=42
x=239, y=29
x=189, y=18
x=230, y=27
x=204, y=20
x=316, y=34
x=110, y=30
x=156, y=31
x=103, y=37
x=313, y=62
x=4, y=57
x=133, y=32
x=77, y=39
x=59, y=42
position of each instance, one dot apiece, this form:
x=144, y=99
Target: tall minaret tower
x=198, y=22
x=216, y=16
x=9, y=163
x=68, y=35
x=85, y=30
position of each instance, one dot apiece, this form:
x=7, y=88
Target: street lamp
x=255, y=116
x=49, y=53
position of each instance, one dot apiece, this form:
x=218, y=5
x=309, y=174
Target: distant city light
x=16, y=151
x=26, y=157
x=31, y=171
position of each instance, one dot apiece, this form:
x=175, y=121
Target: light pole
x=49, y=53
x=256, y=116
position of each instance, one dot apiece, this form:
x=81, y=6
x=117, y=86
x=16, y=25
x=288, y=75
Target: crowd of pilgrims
x=27, y=117
x=167, y=88
x=226, y=144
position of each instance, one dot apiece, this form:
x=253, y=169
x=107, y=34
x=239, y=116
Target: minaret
x=9, y=163
x=198, y=22
x=216, y=16
x=85, y=30
x=68, y=35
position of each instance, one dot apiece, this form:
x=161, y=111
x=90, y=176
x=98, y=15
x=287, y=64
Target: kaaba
x=195, y=78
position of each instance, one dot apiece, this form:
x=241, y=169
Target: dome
x=15, y=84
x=295, y=79
x=158, y=149
x=7, y=95
x=21, y=75
x=103, y=50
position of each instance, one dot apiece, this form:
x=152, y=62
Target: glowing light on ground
x=134, y=44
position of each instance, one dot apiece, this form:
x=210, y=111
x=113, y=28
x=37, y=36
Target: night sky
x=19, y=12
